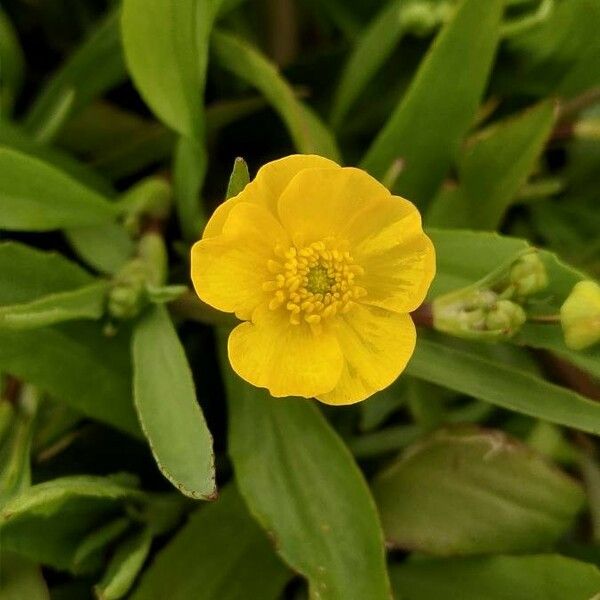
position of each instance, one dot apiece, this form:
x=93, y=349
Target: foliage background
x=119, y=128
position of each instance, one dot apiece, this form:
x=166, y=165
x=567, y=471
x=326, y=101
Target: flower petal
x=320, y=203
x=228, y=271
x=387, y=240
x=288, y=360
x=267, y=186
x=376, y=344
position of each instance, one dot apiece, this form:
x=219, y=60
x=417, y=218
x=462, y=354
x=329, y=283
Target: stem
x=573, y=107
x=544, y=319
x=538, y=190
x=423, y=316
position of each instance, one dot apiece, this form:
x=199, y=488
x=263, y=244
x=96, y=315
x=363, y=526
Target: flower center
x=313, y=283
x=318, y=280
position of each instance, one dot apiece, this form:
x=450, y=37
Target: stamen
x=314, y=283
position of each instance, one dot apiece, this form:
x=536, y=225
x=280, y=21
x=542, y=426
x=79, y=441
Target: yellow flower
x=323, y=264
x=580, y=316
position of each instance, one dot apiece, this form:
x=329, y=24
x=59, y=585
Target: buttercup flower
x=323, y=265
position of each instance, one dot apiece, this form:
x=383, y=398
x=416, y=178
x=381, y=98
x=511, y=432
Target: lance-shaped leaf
x=47, y=521
x=124, y=566
x=371, y=51
x=77, y=364
x=94, y=68
x=303, y=486
x=492, y=168
x=425, y=129
x=35, y=196
x=465, y=369
x=308, y=132
x=201, y=562
x=538, y=577
x=15, y=137
x=83, y=303
x=167, y=407
x=472, y=491
x=27, y=273
x=169, y=71
x=13, y=65
x=106, y=247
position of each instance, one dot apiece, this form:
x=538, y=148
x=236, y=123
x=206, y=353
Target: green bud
x=142, y=280
x=528, y=274
x=422, y=17
x=152, y=251
x=580, y=315
x=506, y=318
x=151, y=197
x=126, y=297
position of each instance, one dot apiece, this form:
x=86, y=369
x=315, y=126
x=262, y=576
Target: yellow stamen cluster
x=314, y=283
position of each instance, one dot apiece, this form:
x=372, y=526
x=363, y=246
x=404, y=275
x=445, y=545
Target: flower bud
x=152, y=251
x=506, y=318
x=126, y=297
x=580, y=315
x=422, y=17
x=528, y=274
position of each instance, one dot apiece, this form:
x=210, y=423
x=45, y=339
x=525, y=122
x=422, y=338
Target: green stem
x=544, y=319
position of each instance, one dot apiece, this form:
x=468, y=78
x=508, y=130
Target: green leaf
x=21, y=579
x=303, y=486
x=78, y=365
x=166, y=293
x=201, y=562
x=167, y=407
x=36, y=196
x=15, y=447
x=83, y=303
x=90, y=552
x=472, y=491
x=124, y=566
x=238, y=179
x=425, y=129
x=13, y=65
x=465, y=370
x=494, y=166
x=27, y=273
x=309, y=134
x=94, y=68
x=543, y=577
x=47, y=521
x=170, y=71
x=105, y=247
x=372, y=49
x=117, y=142
x=13, y=136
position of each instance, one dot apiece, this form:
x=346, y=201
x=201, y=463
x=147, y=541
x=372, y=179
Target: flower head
x=323, y=265
x=580, y=315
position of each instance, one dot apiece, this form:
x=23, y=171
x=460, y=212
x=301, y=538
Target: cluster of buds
x=142, y=280
x=129, y=292
x=492, y=308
